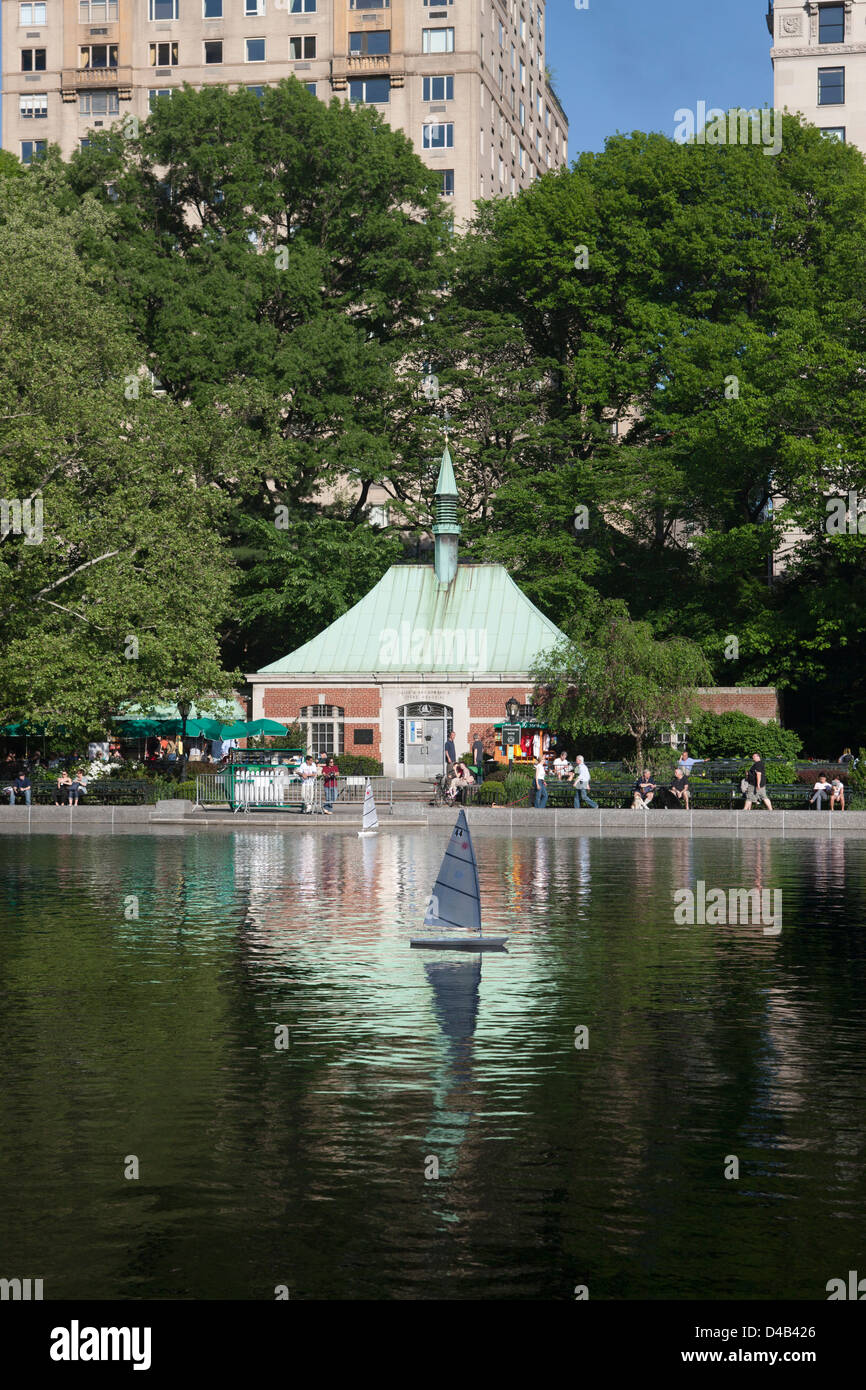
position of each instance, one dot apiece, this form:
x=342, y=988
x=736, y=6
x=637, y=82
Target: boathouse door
x=423, y=729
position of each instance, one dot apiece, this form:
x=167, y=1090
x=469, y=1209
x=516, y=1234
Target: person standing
x=581, y=784
x=450, y=752
x=478, y=758
x=540, y=783
x=756, y=784
x=309, y=772
x=330, y=773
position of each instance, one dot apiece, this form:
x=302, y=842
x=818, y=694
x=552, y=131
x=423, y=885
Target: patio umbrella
x=204, y=727
x=239, y=730
x=266, y=726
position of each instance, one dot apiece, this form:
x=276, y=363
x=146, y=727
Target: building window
x=448, y=182
x=547, y=117
x=370, y=41
x=162, y=55
x=324, y=728
x=154, y=93
x=162, y=9
x=33, y=108
x=522, y=73
x=311, y=87
x=98, y=104
x=255, y=50
x=831, y=86
x=33, y=60
x=522, y=115
x=212, y=9
x=501, y=35
x=96, y=11
x=30, y=15
x=256, y=91
x=438, y=88
x=834, y=132
x=30, y=149
x=302, y=46
x=439, y=136
x=370, y=90
x=372, y=4
x=302, y=7
x=213, y=50
x=101, y=55
x=521, y=158
x=437, y=40
x=379, y=515
x=254, y=8
x=831, y=23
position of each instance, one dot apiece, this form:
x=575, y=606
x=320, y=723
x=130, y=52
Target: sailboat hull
x=460, y=943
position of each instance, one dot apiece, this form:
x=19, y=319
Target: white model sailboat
x=456, y=900
x=369, y=819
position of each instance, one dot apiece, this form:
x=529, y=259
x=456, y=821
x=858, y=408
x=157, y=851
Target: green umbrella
x=239, y=730
x=204, y=727
x=266, y=726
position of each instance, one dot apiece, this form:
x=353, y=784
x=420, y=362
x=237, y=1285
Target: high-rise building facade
x=466, y=80
x=819, y=64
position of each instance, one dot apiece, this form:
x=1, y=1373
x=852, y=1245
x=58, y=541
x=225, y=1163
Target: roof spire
x=445, y=529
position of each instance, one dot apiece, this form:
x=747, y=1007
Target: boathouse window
x=363, y=736
x=324, y=728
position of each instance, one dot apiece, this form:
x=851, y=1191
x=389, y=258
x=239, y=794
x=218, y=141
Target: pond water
x=312, y=1165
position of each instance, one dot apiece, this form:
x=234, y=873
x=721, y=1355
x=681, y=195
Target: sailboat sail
x=456, y=900
x=370, y=820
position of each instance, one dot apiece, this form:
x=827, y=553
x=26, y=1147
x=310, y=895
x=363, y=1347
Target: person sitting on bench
x=837, y=794
x=644, y=791
x=20, y=787
x=679, y=787
x=820, y=793
x=61, y=795
x=77, y=788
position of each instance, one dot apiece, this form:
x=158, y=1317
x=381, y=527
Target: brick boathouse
x=431, y=647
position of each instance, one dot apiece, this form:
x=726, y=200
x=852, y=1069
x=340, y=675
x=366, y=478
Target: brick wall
x=362, y=705
x=759, y=701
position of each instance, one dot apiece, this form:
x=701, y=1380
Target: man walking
x=540, y=783
x=756, y=784
x=478, y=758
x=581, y=784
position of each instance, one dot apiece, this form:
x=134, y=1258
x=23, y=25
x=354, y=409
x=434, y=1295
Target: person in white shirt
x=837, y=794
x=309, y=772
x=581, y=785
x=540, y=784
x=560, y=765
x=820, y=792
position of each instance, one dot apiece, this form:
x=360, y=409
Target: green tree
x=613, y=675
x=113, y=581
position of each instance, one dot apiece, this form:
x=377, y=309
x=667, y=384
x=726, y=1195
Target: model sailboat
x=456, y=900
x=369, y=820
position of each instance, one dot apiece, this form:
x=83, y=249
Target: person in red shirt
x=330, y=773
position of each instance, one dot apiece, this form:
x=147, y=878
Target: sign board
x=415, y=731
x=510, y=734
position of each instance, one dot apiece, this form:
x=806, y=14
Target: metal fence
x=245, y=788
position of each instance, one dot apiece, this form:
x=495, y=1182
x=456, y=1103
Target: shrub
x=489, y=794
x=497, y=773
x=734, y=735
x=517, y=786
x=357, y=765
x=660, y=761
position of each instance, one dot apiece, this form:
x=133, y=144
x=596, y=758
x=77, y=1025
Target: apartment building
x=464, y=79
x=819, y=64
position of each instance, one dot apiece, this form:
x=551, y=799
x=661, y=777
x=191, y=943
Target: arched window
x=323, y=725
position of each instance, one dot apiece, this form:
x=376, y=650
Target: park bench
x=110, y=791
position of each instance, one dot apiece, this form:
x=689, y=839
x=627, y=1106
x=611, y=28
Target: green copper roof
x=480, y=622
x=446, y=484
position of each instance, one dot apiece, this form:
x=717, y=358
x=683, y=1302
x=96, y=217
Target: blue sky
x=629, y=64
